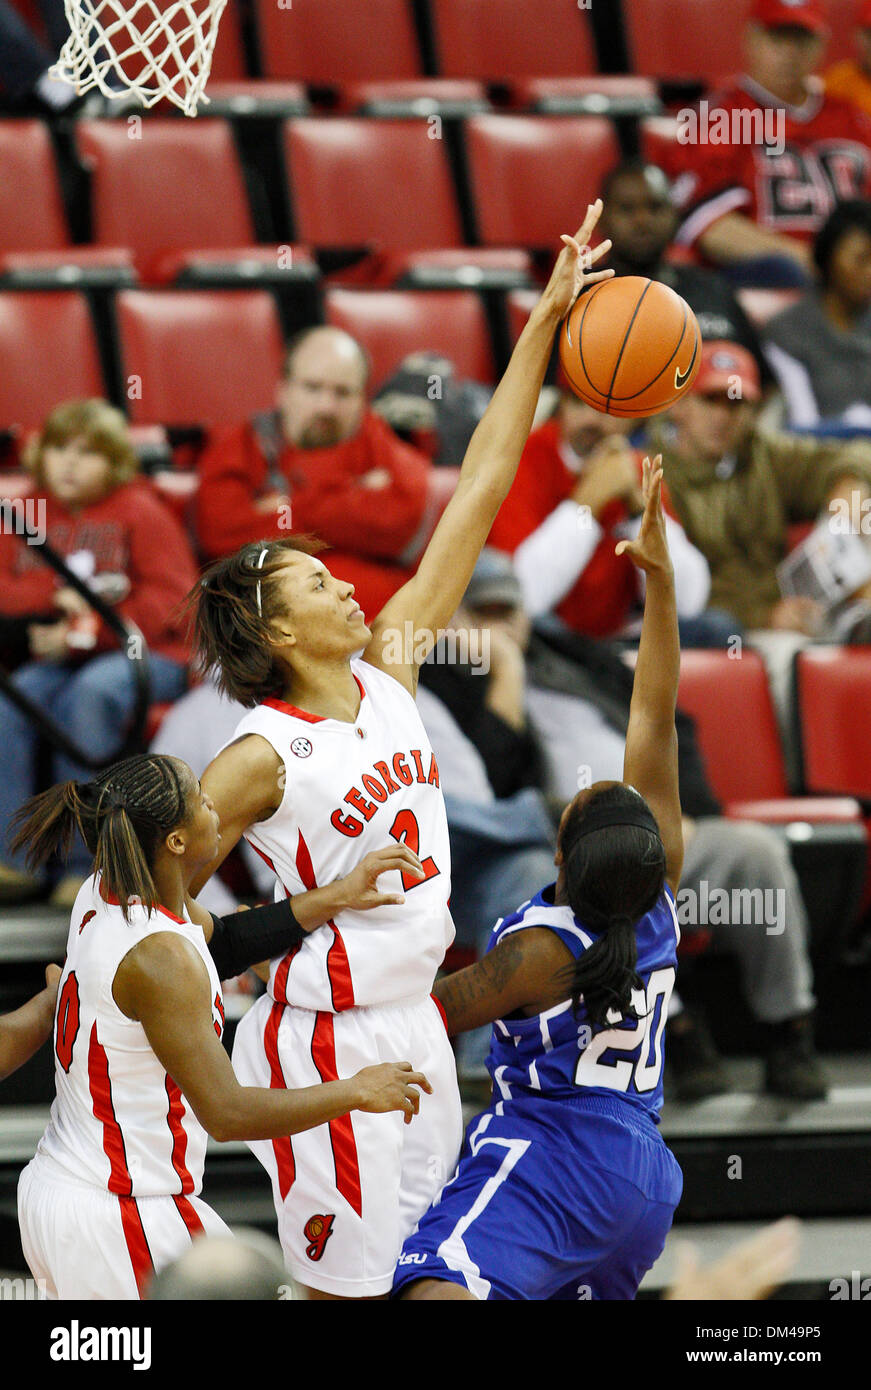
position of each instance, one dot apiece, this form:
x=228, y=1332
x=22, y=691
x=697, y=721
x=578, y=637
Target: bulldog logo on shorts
x=317, y=1231
x=301, y=747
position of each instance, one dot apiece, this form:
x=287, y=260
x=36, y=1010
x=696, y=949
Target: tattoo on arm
x=474, y=994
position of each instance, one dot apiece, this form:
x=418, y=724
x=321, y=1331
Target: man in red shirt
x=760, y=165
x=323, y=463
x=576, y=494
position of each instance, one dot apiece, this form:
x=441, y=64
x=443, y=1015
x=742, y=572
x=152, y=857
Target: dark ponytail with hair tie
x=122, y=816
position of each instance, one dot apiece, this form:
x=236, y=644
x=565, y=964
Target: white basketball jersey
x=350, y=789
x=119, y=1121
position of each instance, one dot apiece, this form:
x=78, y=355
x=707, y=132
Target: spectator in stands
x=26, y=85
x=790, y=151
x=115, y=534
x=641, y=220
x=438, y=421
x=25, y=60
x=321, y=462
x=570, y=697
x=820, y=347
x=851, y=78
x=577, y=492
x=736, y=489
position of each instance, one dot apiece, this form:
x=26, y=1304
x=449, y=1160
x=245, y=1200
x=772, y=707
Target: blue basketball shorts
x=551, y=1199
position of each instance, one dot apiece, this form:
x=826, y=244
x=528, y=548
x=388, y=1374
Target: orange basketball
x=630, y=346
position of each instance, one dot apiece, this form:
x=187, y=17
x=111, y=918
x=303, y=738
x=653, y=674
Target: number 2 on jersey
x=405, y=830
x=616, y=1076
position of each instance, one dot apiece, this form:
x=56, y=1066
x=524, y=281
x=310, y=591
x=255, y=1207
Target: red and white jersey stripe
x=119, y=1121
x=350, y=788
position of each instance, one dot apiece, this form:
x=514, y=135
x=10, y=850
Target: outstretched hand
x=572, y=272
x=360, y=886
x=649, y=551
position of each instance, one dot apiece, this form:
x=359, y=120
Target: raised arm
x=650, y=759
x=430, y=599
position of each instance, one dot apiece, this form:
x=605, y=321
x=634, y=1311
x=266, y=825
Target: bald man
x=321, y=461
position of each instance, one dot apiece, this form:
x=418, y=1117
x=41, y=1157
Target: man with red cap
x=737, y=488
x=757, y=177
x=851, y=78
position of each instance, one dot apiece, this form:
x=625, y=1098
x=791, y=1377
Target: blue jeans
x=93, y=704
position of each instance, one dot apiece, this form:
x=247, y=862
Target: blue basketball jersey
x=558, y=1053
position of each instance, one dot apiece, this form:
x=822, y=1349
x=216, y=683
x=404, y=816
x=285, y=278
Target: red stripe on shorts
x=282, y=1148
x=174, y=1116
x=441, y=1008
x=120, y=1181
x=342, y=1140
x=137, y=1244
x=189, y=1216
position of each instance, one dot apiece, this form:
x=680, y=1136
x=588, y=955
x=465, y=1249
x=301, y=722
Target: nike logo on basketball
x=681, y=378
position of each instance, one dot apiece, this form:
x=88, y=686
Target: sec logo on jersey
x=301, y=747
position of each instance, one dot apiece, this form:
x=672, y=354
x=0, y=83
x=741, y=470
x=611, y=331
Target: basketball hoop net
x=158, y=49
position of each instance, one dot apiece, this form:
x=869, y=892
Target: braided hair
x=614, y=865
x=122, y=815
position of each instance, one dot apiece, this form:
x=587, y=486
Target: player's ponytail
x=122, y=816
x=614, y=865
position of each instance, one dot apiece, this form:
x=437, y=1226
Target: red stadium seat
x=746, y=769
x=32, y=216
x=35, y=247
x=49, y=353
x=574, y=96
x=725, y=694
x=357, y=182
x=520, y=304
x=685, y=39
x=193, y=357
x=419, y=96
x=489, y=39
x=228, y=59
x=390, y=324
x=533, y=176
x=178, y=187
x=324, y=42
x=834, y=701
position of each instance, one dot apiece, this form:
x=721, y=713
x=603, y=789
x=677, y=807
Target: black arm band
x=244, y=938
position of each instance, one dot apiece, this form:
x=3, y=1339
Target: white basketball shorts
x=86, y=1243
x=348, y=1193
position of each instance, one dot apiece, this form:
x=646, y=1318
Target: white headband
x=259, y=566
